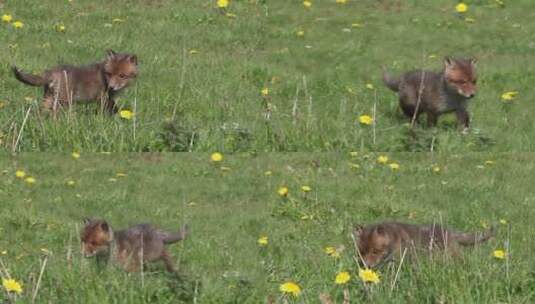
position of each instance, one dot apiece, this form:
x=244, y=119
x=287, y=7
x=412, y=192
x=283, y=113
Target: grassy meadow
x=231, y=204
x=203, y=70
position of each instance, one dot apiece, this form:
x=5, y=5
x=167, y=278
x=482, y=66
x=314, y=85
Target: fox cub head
x=374, y=244
x=461, y=76
x=96, y=237
x=119, y=69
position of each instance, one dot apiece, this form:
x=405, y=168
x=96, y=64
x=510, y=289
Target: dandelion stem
x=294, y=108
x=36, y=290
x=135, y=113
x=181, y=85
x=22, y=128
x=374, y=117
x=398, y=270
x=420, y=92
x=346, y=296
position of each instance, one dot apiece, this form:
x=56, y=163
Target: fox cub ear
x=380, y=230
x=104, y=226
x=448, y=62
x=133, y=59
x=87, y=220
x=110, y=54
x=357, y=230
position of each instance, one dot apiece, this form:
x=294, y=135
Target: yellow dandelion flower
x=224, y=169
x=353, y=154
x=216, y=157
x=509, y=96
x=3, y=252
x=7, y=18
x=354, y=166
x=262, y=241
x=265, y=92
x=193, y=52
x=369, y=276
x=469, y=20
x=120, y=174
x=18, y=24
x=71, y=183
x=503, y=222
x=12, y=285
x=394, y=166
x=20, y=174
x=306, y=188
x=222, y=3
x=30, y=180
x=499, y=254
x=268, y=173
x=370, y=86
x=332, y=252
x=60, y=27
x=382, y=159
x=307, y=4
x=365, y=119
x=305, y=217
x=300, y=33
x=126, y=114
x=341, y=1
x=75, y=155
x=290, y=288
x=112, y=180
x=342, y=278
x=283, y=191
x=461, y=8
x=435, y=169
x=489, y=162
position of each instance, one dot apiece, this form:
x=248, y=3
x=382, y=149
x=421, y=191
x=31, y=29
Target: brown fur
x=129, y=248
x=442, y=92
x=65, y=85
x=380, y=242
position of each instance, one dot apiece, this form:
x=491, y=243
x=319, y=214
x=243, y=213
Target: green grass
x=211, y=100
x=228, y=210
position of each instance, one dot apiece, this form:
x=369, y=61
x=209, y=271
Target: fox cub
x=130, y=248
x=439, y=92
x=381, y=242
x=101, y=81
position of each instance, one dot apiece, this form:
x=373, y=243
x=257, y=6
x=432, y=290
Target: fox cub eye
x=122, y=75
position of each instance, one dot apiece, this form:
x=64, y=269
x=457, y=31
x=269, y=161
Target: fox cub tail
x=173, y=237
x=29, y=79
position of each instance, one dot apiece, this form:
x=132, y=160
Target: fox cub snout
x=460, y=76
